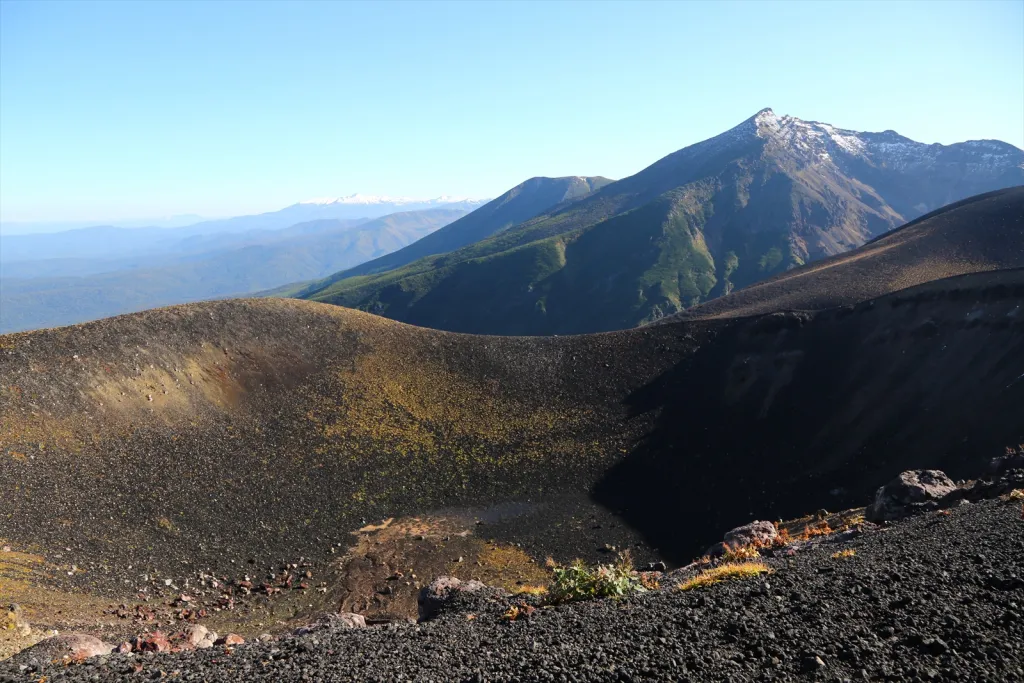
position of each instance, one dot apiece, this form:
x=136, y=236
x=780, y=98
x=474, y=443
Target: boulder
x=441, y=592
x=72, y=646
x=911, y=492
x=757, y=532
x=198, y=637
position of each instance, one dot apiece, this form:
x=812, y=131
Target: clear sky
x=132, y=109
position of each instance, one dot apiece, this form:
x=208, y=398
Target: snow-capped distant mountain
x=893, y=165
x=369, y=200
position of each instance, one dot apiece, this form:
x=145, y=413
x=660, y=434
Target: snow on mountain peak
x=766, y=117
x=369, y=199
x=359, y=199
x=806, y=135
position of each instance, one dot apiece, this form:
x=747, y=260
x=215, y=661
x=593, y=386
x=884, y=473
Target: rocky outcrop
x=911, y=492
x=69, y=647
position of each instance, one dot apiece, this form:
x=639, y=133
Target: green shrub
x=580, y=582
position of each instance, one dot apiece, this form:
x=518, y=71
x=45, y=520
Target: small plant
x=844, y=554
x=783, y=539
x=810, y=532
x=579, y=582
x=166, y=525
x=649, y=581
x=723, y=572
x=740, y=553
x=520, y=609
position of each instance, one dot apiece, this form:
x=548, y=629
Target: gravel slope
x=938, y=597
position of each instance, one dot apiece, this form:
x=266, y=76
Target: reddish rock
x=153, y=642
x=124, y=647
x=230, y=639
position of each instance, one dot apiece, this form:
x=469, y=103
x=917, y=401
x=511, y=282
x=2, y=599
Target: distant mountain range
x=768, y=195
x=107, y=241
x=103, y=271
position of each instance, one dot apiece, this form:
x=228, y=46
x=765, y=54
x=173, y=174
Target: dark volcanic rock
x=912, y=491
x=444, y=592
x=918, y=601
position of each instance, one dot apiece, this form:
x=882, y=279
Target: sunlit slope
x=250, y=429
x=978, y=234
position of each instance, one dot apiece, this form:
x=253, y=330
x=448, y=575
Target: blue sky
x=132, y=109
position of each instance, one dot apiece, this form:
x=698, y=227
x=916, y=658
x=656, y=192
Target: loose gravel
x=939, y=597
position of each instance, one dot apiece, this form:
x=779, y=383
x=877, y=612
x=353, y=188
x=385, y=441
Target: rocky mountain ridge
x=766, y=197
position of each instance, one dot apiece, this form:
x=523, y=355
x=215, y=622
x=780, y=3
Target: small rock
x=341, y=620
x=230, y=639
x=152, y=642
x=441, y=591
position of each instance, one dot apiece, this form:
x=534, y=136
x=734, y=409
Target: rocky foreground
x=938, y=596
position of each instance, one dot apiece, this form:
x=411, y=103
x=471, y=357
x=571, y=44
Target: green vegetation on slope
x=717, y=216
x=548, y=277
x=521, y=203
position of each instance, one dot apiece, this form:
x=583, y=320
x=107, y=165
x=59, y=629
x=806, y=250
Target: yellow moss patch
x=844, y=554
x=505, y=565
x=723, y=572
x=415, y=406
